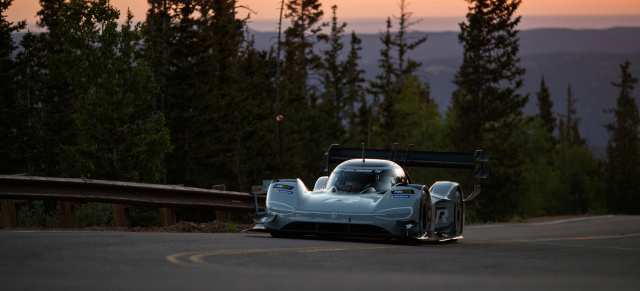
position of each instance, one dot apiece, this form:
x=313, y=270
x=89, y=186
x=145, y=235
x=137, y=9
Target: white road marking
x=570, y=220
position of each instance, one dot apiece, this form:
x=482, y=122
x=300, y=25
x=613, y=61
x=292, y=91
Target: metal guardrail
x=126, y=193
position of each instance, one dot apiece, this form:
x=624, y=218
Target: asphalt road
x=593, y=253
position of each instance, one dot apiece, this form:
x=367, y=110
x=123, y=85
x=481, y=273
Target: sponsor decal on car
x=402, y=192
x=352, y=170
x=399, y=196
x=281, y=186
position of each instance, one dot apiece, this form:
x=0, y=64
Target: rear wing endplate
x=410, y=158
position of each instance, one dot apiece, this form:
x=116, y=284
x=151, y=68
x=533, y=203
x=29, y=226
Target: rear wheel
x=458, y=214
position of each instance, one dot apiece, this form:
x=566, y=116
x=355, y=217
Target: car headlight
x=395, y=213
x=279, y=208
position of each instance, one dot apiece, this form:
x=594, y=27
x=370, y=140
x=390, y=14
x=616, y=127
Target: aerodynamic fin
x=411, y=158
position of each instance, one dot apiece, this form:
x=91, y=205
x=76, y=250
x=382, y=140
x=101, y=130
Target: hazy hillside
x=587, y=59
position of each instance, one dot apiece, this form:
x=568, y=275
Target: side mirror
x=320, y=183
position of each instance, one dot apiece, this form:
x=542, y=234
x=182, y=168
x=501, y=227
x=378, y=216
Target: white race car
x=370, y=194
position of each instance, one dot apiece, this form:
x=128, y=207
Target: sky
x=436, y=14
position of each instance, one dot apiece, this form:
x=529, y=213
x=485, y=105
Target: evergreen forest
x=186, y=98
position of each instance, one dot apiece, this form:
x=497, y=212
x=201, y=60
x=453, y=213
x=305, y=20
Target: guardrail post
x=167, y=216
x=66, y=214
x=221, y=215
x=120, y=216
x=9, y=213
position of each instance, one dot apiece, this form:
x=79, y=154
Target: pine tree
x=358, y=118
x=390, y=83
x=342, y=84
x=333, y=104
x=305, y=16
x=406, y=66
x=10, y=112
x=384, y=85
x=45, y=95
x=545, y=108
x=486, y=109
x=623, y=148
x=259, y=145
x=156, y=47
x=194, y=48
x=571, y=156
x=489, y=75
x=569, y=124
x=299, y=99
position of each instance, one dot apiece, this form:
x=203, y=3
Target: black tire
x=425, y=215
x=424, y=225
x=458, y=214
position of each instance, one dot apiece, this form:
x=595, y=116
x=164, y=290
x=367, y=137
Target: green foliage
x=580, y=181
x=37, y=213
x=417, y=118
x=144, y=216
x=417, y=121
x=10, y=113
x=539, y=193
x=230, y=228
x=500, y=192
x=560, y=180
x=116, y=138
x=94, y=214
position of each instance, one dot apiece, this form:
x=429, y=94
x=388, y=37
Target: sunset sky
x=617, y=12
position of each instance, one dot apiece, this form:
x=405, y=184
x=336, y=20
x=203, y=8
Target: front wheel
x=424, y=224
x=426, y=219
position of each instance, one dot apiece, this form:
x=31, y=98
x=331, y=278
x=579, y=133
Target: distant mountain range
x=587, y=59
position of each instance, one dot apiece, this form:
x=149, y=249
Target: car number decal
x=442, y=214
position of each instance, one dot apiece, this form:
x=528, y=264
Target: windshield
x=361, y=180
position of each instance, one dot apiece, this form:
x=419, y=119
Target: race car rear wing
x=410, y=158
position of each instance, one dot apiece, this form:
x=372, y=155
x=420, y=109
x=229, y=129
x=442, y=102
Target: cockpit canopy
x=371, y=176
